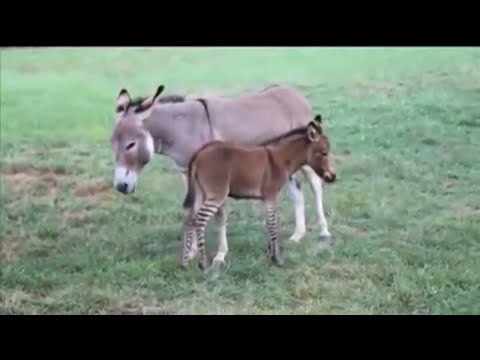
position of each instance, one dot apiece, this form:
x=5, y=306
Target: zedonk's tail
x=190, y=197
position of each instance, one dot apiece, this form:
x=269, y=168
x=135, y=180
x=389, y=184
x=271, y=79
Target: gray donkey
x=176, y=127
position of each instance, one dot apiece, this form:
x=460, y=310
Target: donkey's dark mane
x=171, y=99
x=162, y=99
x=167, y=99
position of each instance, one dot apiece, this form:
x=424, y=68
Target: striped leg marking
x=187, y=240
x=206, y=211
x=272, y=217
x=193, y=249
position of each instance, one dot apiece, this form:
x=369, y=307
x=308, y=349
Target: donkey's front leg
x=316, y=186
x=272, y=217
x=296, y=194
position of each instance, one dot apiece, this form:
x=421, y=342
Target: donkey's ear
x=318, y=118
x=313, y=132
x=150, y=100
x=123, y=99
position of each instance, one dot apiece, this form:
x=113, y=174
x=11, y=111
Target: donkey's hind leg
x=296, y=194
x=316, y=186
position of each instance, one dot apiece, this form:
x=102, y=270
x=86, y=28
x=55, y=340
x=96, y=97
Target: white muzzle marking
x=125, y=179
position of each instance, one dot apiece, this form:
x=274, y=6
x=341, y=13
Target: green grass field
x=404, y=125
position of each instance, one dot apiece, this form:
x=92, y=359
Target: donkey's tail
x=190, y=197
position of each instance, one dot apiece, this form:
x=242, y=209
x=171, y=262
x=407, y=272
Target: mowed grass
x=404, y=125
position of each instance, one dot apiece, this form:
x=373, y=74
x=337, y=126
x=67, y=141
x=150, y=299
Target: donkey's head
x=132, y=144
x=318, y=151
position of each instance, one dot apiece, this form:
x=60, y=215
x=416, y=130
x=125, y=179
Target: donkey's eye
x=130, y=145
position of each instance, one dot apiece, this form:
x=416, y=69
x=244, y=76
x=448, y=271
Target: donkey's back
x=254, y=117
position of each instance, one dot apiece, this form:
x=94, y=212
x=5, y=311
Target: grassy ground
x=405, y=130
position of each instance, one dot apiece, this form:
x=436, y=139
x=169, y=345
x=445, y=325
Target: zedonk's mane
x=296, y=131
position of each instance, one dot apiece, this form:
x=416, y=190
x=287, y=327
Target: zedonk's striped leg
x=206, y=211
x=188, y=233
x=271, y=214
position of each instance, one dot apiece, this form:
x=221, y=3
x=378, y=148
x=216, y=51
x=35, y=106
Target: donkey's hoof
x=325, y=234
x=297, y=237
x=217, y=264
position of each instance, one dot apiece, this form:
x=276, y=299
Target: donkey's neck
x=161, y=116
x=178, y=129
x=290, y=155
x=165, y=119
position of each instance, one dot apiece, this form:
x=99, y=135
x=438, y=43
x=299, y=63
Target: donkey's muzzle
x=124, y=180
x=122, y=187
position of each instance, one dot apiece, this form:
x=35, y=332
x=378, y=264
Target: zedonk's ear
x=313, y=133
x=123, y=99
x=318, y=118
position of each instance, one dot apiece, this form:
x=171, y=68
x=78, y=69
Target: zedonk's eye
x=130, y=145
